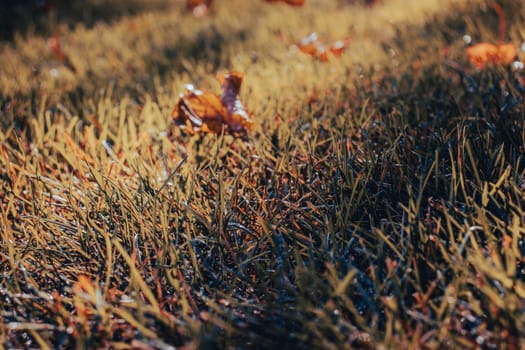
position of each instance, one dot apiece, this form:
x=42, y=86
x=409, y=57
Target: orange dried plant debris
x=199, y=8
x=311, y=45
x=200, y=111
x=84, y=285
x=484, y=53
x=339, y=47
x=84, y=293
x=289, y=2
x=54, y=45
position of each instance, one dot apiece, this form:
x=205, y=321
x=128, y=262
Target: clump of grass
x=376, y=204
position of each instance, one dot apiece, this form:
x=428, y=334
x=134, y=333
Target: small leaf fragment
x=199, y=8
x=312, y=45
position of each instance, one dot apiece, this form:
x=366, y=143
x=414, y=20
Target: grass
x=378, y=202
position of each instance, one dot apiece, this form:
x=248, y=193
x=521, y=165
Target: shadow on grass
x=41, y=17
x=443, y=154
x=206, y=49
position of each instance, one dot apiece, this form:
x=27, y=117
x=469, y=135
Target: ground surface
x=377, y=202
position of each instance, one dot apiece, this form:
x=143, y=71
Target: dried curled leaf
x=237, y=118
x=289, y=2
x=312, y=45
x=484, y=53
x=199, y=8
x=198, y=111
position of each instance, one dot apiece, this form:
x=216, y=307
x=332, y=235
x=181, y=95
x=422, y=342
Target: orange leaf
x=507, y=53
x=484, y=53
x=311, y=45
x=289, y=2
x=199, y=8
x=339, y=47
x=198, y=111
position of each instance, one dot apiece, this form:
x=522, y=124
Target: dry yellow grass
x=132, y=47
x=377, y=203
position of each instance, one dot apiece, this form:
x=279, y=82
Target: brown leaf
x=237, y=117
x=198, y=111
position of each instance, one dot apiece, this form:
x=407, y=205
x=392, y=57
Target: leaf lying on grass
x=311, y=45
x=201, y=111
x=199, y=8
x=484, y=53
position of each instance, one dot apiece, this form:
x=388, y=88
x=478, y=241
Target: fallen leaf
x=199, y=111
x=312, y=45
x=199, y=8
x=237, y=117
x=484, y=53
x=338, y=48
x=289, y=2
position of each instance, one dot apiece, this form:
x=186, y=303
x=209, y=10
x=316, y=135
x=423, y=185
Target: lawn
x=377, y=200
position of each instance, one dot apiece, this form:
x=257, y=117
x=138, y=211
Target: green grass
x=378, y=202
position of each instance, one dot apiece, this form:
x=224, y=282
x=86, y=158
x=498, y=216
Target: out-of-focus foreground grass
x=378, y=202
